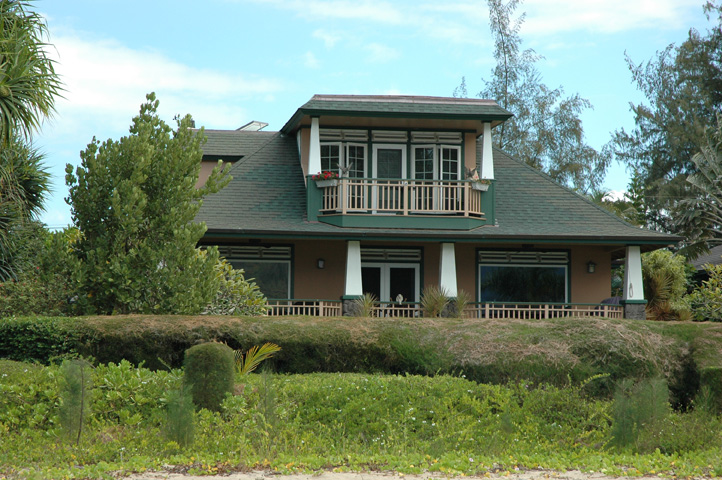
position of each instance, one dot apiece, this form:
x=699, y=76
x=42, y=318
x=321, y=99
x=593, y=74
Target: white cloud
x=329, y=39
x=379, y=53
x=604, y=16
x=106, y=79
x=310, y=60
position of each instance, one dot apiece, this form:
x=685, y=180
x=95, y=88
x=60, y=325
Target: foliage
x=36, y=338
x=682, y=87
x=138, y=249
x=706, y=300
x=208, y=369
x=434, y=300
x=23, y=185
x=699, y=217
x=75, y=397
x=664, y=276
x=461, y=302
x=28, y=82
x=236, y=295
x=638, y=407
x=180, y=418
x=546, y=131
x=248, y=362
x=44, y=279
x=365, y=306
x=445, y=426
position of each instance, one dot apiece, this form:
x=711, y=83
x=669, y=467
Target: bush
x=36, y=338
x=665, y=284
x=434, y=301
x=209, y=371
x=236, y=295
x=638, y=408
x=706, y=300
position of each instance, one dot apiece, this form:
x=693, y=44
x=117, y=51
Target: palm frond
x=248, y=362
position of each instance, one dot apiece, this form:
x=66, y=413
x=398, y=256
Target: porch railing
x=405, y=197
x=496, y=310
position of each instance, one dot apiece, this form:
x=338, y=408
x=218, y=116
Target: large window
x=436, y=162
x=346, y=159
x=534, y=277
x=268, y=266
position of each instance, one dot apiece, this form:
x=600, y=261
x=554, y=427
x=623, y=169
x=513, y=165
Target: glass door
x=390, y=281
x=389, y=163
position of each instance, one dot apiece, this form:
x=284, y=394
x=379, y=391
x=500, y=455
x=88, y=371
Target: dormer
x=397, y=160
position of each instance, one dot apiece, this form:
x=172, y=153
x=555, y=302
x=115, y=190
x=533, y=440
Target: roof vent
x=253, y=126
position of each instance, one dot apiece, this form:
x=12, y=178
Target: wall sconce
x=321, y=263
x=591, y=267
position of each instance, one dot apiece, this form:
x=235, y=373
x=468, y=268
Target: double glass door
x=390, y=282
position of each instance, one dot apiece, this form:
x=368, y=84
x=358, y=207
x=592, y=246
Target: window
x=390, y=273
x=268, y=266
x=436, y=162
x=346, y=159
x=535, y=277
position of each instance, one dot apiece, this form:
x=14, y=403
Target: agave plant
x=365, y=306
x=434, y=300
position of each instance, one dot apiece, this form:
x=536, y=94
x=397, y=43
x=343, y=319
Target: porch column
x=487, y=159
x=314, y=150
x=447, y=269
x=633, y=296
x=353, y=287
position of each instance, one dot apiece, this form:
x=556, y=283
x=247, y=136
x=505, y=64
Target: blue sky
x=228, y=62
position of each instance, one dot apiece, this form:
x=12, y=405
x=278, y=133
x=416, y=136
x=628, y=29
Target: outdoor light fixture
x=591, y=267
x=321, y=263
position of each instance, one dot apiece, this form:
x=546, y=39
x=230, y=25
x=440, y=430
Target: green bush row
x=487, y=351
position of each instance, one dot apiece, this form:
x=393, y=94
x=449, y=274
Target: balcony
x=434, y=204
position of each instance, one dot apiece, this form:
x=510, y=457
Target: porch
x=486, y=310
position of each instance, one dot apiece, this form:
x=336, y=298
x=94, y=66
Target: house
x=403, y=214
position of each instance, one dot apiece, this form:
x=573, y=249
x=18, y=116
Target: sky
x=228, y=62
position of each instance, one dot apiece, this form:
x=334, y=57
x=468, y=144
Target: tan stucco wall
x=590, y=287
x=206, y=169
x=305, y=146
x=469, y=151
x=311, y=282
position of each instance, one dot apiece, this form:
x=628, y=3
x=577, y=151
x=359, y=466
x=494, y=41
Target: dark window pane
x=273, y=278
x=402, y=281
x=522, y=284
x=371, y=281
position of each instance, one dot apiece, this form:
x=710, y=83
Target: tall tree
x=699, y=217
x=546, y=131
x=134, y=201
x=28, y=82
x=683, y=90
x=28, y=87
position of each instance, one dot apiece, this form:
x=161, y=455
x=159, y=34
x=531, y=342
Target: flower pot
x=326, y=183
x=483, y=187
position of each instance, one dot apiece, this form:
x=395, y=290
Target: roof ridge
x=403, y=99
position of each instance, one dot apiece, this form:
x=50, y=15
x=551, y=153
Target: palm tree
x=28, y=87
x=28, y=82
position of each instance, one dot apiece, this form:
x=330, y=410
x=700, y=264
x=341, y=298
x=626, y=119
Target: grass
x=447, y=425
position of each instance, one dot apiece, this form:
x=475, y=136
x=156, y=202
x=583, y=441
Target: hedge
x=488, y=351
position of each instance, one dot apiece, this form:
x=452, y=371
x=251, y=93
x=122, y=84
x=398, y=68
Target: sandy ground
x=261, y=475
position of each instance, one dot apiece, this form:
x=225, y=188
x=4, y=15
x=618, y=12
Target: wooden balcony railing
x=496, y=310
x=404, y=197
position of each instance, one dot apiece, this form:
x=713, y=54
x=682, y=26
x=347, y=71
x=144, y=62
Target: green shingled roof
x=398, y=106
x=267, y=198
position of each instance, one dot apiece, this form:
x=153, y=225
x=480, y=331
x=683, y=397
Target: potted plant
x=325, y=179
x=477, y=183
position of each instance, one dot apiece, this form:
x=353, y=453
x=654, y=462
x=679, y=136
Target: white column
x=447, y=269
x=353, y=286
x=487, y=154
x=314, y=149
x=633, y=287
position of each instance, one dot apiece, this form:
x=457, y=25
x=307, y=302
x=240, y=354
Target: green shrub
x=638, y=408
x=236, y=295
x=664, y=276
x=75, y=397
x=364, y=306
x=434, y=301
x=36, y=338
x=208, y=374
x=711, y=381
x=706, y=300
x=180, y=418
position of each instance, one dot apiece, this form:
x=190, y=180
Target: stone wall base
x=635, y=310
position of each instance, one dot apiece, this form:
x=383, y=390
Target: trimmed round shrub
x=208, y=373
